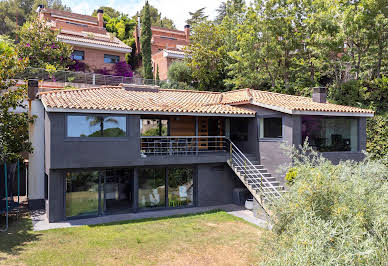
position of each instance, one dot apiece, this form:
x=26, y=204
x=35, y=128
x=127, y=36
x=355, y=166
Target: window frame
x=332, y=152
x=98, y=139
x=83, y=55
x=264, y=139
x=112, y=55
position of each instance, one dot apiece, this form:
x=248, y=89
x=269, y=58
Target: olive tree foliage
x=13, y=126
x=332, y=214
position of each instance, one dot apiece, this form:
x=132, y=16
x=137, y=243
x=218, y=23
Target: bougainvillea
x=38, y=42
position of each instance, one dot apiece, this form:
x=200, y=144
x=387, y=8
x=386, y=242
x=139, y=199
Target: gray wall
x=56, y=192
x=215, y=184
x=84, y=153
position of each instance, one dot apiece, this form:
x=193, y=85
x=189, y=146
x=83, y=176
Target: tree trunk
x=102, y=128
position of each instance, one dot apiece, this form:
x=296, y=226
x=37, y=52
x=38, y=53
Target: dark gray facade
x=214, y=181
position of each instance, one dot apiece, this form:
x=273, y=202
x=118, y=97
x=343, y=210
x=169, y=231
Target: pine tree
x=145, y=42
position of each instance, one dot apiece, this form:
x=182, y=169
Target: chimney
x=319, y=94
x=33, y=89
x=187, y=32
x=100, y=18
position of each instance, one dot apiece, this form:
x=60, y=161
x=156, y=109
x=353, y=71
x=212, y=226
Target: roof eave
x=326, y=113
x=96, y=46
x=103, y=111
x=302, y=112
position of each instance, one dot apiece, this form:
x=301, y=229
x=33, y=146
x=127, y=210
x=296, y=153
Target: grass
x=215, y=238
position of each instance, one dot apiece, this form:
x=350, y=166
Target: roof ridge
x=278, y=93
x=79, y=89
x=196, y=91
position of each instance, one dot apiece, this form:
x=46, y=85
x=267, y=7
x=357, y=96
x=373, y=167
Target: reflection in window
x=96, y=126
x=111, y=59
x=82, y=193
x=271, y=127
x=152, y=185
x=78, y=55
x=180, y=187
x=327, y=134
x=153, y=127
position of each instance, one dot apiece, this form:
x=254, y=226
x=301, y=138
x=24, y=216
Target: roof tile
x=145, y=99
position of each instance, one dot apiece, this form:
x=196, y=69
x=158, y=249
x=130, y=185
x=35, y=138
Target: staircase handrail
x=242, y=156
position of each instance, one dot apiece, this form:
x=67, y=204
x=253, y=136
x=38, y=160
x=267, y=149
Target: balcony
x=216, y=147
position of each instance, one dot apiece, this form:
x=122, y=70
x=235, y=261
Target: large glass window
x=271, y=127
x=180, y=187
x=96, y=126
x=153, y=127
x=111, y=59
x=327, y=134
x=152, y=187
x=82, y=193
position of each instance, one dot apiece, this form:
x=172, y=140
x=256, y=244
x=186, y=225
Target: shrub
x=122, y=69
x=179, y=71
x=377, y=136
x=333, y=214
x=291, y=175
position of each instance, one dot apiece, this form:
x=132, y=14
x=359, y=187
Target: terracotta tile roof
x=117, y=98
x=146, y=99
x=92, y=38
x=70, y=15
x=285, y=102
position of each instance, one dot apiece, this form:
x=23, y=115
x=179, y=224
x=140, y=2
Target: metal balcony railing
x=182, y=145
x=66, y=77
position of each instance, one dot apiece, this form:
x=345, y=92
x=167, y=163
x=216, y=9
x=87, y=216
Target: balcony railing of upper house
x=182, y=145
x=72, y=77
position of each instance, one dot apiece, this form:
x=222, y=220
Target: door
x=117, y=190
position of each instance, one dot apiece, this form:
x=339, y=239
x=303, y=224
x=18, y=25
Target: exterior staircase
x=262, y=185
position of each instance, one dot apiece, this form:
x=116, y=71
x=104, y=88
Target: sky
x=177, y=10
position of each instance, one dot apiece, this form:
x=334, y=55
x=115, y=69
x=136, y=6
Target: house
x=133, y=148
x=166, y=46
x=92, y=44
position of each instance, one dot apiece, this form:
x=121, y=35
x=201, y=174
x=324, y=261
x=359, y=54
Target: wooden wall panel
x=184, y=126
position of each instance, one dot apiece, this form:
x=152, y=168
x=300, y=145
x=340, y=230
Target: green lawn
x=211, y=238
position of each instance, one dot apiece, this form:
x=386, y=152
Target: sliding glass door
x=96, y=192
x=82, y=193
x=118, y=187
x=165, y=187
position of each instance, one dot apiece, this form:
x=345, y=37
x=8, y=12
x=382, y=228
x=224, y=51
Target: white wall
x=36, y=159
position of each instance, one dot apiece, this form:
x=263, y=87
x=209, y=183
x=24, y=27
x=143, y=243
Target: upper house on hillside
x=91, y=42
x=166, y=46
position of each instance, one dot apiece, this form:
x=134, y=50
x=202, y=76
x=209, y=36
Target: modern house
x=134, y=148
x=92, y=44
x=166, y=47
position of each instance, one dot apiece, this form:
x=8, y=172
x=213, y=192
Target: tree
x=14, y=137
x=108, y=11
x=180, y=71
x=157, y=19
x=14, y=13
x=197, y=17
x=100, y=121
x=157, y=73
x=207, y=56
x=38, y=43
x=145, y=42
